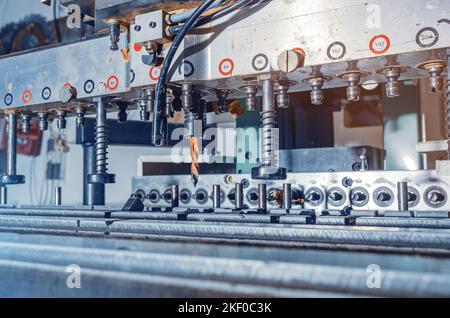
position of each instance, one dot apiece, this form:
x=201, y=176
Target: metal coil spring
x=269, y=122
x=101, y=145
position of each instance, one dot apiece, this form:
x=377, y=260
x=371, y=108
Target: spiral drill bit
x=189, y=122
x=195, y=173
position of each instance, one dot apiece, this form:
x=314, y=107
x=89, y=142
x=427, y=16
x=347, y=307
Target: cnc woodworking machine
x=253, y=192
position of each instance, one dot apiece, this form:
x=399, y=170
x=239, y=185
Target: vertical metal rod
x=402, y=196
x=217, y=200
x=287, y=196
x=268, y=96
x=175, y=196
x=12, y=144
x=268, y=124
x=93, y=193
x=239, y=203
x=3, y=195
x=58, y=196
x=262, y=196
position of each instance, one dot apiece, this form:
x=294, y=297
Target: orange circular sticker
x=226, y=67
x=300, y=50
x=154, y=73
x=112, y=83
x=27, y=96
x=380, y=44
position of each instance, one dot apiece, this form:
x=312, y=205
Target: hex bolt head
x=392, y=74
x=316, y=84
x=61, y=122
x=81, y=112
x=43, y=121
x=26, y=123
x=251, y=100
x=434, y=69
x=353, y=79
x=282, y=95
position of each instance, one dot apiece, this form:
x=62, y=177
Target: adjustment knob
x=289, y=61
x=67, y=94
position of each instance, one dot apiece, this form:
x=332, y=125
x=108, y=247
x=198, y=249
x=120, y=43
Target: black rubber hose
x=182, y=17
x=222, y=12
x=161, y=86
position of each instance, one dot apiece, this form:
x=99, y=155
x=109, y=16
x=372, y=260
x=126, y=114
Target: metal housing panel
x=36, y=78
x=334, y=35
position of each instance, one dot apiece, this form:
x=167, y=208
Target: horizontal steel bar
x=435, y=238
x=293, y=276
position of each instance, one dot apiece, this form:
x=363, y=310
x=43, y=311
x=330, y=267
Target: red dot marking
x=27, y=96
x=226, y=67
x=68, y=85
x=152, y=74
x=380, y=50
x=112, y=83
x=137, y=47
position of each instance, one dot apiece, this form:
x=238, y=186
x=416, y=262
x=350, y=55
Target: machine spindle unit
x=276, y=148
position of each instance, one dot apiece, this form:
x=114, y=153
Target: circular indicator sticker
x=300, y=50
x=336, y=51
x=154, y=73
x=380, y=44
x=137, y=47
x=133, y=75
x=226, y=67
x=89, y=86
x=8, y=99
x=46, y=93
x=260, y=62
x=427, y=37
x=112, y=83
x=186, y=68
x=27, y=96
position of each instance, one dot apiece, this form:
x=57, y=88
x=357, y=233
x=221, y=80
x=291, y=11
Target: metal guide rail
x=36, y=264
x=418, y=230
x=160, y=254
